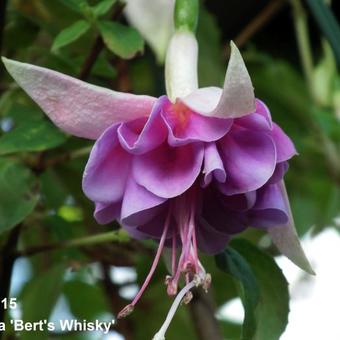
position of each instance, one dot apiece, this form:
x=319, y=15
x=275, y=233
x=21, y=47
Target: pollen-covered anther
x=171, y=286
x=187, y=298
x=127, y=310
x=206, y=282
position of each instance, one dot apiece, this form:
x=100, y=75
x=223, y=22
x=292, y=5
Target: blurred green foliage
x=41, y=170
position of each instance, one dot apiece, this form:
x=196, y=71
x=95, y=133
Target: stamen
x=160, y=335
x=128, y=309
x=173, y=260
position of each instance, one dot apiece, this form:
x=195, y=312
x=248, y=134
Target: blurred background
x=50, y=257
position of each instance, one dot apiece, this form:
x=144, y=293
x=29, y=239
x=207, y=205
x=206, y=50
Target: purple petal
x=280, y=170
x=107, y=212
x=249, y=158
x=186, y=126
x=213, y=165
x=169, y=171
x=262, y=109
x=210, y=240
x=107, y=169
x=218, y=215
x=270, y=209
x=78, y=108
x=155, y=227
x=139, y=205
x=240, y=202
x=144, y=134
x=285, y=148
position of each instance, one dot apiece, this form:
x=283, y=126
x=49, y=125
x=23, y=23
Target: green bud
x=186, y=15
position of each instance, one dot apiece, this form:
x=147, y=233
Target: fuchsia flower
x=189, y=170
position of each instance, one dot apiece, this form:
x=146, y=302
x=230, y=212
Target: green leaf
x=76, y=5
x=17, y=197
x=70, y=34
x=328, y=24
x=273, y=307
x=86, y=301
x=33, y=133
x=122, y=40
x=231, y=262
x=39, y=298
x=103, y=7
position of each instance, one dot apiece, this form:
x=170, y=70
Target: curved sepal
x=286, y=239
x=237, y=98
x=76, y=107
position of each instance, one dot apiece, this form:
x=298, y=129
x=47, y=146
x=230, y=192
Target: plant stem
x=7, y=261
x=111, y=236
x=202, y=312
x=305, y=51
x=3, y=6
x=98, y=46
x=258, y=22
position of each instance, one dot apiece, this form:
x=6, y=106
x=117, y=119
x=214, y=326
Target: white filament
x=160, y=335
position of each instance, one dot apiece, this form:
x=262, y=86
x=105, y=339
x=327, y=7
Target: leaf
x=32, y=135
x=86, y=301
x=122, y=40
x=273, y=307
x=327, y=23
x=70, y=34
x=103, y=7
x=231, y=262
x=17, y=197
x=39, y=298
x=76, y=5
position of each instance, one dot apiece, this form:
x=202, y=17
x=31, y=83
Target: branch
x=3, y=6
x=258, y=22
x=98, y=46
x=6, y=268
x=110, y=236
x=202, y=310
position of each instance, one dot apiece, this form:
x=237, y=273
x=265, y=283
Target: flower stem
x=305, y=51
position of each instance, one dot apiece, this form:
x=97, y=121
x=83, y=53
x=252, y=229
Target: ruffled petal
x=219, y=216
x=155, y=227
x=144, y=134
x=240, y=202
x=285, y=148
x=270, y=209
x=76, y=107
x=280, y=170
x=139, y=205
x=210, y=240
x=186, y=126
x=169, y=171
x=107, y=169
x=213, y=165
x=107, y=212
x=249, y=158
